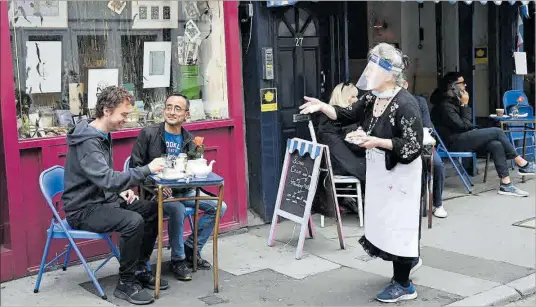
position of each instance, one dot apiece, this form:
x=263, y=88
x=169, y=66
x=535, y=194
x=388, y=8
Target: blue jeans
x=439, y=180
x=176, y=213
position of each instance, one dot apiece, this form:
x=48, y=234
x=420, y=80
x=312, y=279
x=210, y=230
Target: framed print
x=43, y=67
x=156, y=64
x=38, y=14
x=155, y=14
x=99, y=79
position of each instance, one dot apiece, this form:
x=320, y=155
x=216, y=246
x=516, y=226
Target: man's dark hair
x=449, y=79
x=110, y=98
x=182, y=96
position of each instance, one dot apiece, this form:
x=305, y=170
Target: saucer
x=172, y=176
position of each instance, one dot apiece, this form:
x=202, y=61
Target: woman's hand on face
x=312, y=105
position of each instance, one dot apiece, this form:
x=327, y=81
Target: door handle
x=323, y=82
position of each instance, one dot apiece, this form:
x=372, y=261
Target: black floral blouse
x=401, y=122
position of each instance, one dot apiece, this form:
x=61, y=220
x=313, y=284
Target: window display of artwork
x=99, y=79
x=43, y=67
x=152, y=54
x=38, y=14
x=156, y=64
x=155, y=14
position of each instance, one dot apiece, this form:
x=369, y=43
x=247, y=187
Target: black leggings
x=401, y=272
x=488, y=140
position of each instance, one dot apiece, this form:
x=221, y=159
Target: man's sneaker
x=396, y=292
x=415, y=265
x=148, y=280
x=180, y=270
x=440, y=212
x=202, y=264
x=527, y=170
x=133, y=293
x=512, y=190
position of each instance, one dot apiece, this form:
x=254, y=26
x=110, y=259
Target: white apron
x=393, y=205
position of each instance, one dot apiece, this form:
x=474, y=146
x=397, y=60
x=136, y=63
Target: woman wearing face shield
x=391, y=131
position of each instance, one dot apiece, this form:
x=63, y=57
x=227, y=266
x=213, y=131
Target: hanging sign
x=268, y=99
x=304, y=162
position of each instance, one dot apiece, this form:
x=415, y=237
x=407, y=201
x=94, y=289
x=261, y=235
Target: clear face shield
x=378, y=71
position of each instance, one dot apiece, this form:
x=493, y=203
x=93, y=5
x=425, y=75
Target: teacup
x=499, y=112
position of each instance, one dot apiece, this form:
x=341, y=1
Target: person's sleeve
x=95, y=168
x=407, y=143
x=423, y=105
x=138, y=157
x=351, y=114
x=455, y=121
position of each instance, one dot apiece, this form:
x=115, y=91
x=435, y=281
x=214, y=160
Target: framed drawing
x=156, y=64
x=155, y=14
x=38, y=14
x=99, y=79
x=43, y=67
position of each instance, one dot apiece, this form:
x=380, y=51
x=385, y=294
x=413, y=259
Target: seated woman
x=453, y=121
x=346, y=158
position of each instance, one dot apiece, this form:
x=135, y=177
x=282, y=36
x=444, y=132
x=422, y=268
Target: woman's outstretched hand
x=312, y=105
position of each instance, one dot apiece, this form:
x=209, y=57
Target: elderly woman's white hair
x=395, y=57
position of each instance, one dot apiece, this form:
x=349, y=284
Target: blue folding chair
x=510, y=99
x=51, y=183
x=456, y=160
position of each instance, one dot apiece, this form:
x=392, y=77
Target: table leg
x=196, y=226
x=159, y=248
x=215, y=242
x=430, y=191
x=524, y=146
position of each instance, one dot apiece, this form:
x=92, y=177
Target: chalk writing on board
x=297, y=184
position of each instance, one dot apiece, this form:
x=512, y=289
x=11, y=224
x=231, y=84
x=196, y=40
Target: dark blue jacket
x=425, y=113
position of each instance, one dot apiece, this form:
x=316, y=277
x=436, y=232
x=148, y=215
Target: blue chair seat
x=455, y=154
x=58, y=233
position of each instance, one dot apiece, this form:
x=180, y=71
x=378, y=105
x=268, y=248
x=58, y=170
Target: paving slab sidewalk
x=474, y=257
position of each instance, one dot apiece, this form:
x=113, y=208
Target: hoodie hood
x=82, y=132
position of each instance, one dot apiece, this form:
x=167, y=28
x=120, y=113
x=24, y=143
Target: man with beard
x=98, y=199
x=171, y=138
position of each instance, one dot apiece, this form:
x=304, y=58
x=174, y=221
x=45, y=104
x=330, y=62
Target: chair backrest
x=510, y=99
x=126, y=165
x=51, y=184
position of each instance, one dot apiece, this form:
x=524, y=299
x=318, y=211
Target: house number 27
x=299, y=41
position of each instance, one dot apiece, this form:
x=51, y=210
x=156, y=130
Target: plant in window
x=199, y=150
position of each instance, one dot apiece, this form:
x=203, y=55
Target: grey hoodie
x=89, y=176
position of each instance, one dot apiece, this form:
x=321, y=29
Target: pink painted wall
x=28, y=158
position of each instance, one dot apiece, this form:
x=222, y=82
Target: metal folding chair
x=456, y=160
x=51, y=183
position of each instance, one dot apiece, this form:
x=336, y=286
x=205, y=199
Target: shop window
x=66, y=52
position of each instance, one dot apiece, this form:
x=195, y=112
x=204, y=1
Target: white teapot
x=199, y=167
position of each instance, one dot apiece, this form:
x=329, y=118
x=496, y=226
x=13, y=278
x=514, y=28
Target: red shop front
x=97, y=43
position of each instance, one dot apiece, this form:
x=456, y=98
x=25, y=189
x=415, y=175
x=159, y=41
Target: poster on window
x=155, y=14
x=43, y=67
x=156, y=64
x=38, y=14
x=99, y=79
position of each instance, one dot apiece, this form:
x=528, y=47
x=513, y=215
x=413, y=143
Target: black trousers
x=137, y=224
x=401, y=270
x=487, y=140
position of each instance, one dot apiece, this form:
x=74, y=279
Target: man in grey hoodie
x=98, y=199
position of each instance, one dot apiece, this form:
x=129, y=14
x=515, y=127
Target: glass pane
x=283, y=30
x=66, y=52
x=310, y=30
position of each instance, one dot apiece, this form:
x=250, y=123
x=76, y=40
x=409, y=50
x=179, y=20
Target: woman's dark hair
x=110, y=98
x=448, y=79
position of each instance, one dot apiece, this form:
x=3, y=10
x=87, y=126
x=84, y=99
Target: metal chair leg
x=43, y=261
x=66, y=261
x=486, y=168
x=191, y=222
x=89, y=271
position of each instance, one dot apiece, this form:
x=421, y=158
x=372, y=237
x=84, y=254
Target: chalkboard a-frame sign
x=297, y=188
